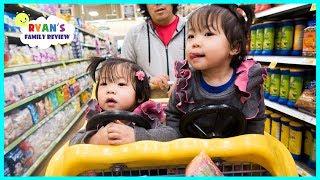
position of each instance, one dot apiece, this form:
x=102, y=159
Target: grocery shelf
x=296, y=60
x=54, y=143
x=304, y=170
x=40, y=123
x=292, y=112
x=20, y=68
x=87, y=32
x=37, y=95
x=12, y=34
x=281, y=9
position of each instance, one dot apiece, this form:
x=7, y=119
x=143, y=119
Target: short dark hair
x=128, y=68
x=145, y=13
x=233, y=24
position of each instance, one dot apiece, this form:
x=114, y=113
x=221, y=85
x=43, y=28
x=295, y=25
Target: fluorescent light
x=93, y=13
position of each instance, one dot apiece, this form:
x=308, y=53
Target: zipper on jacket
x=167, y=61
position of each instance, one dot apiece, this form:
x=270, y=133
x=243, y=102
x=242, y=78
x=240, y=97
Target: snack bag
x=307, y=100
x=41, y=109
x=202, y=165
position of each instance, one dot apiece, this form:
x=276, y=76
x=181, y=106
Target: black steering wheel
x=106, y=117
x=213, y=121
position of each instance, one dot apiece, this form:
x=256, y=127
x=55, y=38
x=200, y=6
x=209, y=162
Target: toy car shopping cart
x=240, y=155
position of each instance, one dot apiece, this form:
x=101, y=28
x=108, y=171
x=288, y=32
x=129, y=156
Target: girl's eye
x=208, y=34
x=103, y=84
x=190, y=36
x=122, y=84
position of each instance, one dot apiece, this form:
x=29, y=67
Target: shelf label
x=272, y=64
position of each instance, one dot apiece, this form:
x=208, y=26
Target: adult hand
x=101, y=137
x=120, y=133
x=160, y=82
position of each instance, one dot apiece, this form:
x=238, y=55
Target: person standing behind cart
x=220, y=74
x=156, y=43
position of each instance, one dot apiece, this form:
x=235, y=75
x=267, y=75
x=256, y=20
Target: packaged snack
x=27, y=151
x=202, y=165
x=259, y=39
x=18, y=86
x=307, y=100
x=60, y=97
x=287, y=31
x=38, y=83
x=295, y=139
x=275, y=79
x=33, y=110
x=22, y=121
x=309, y=39
x=47, y=105
x=15, y=159
x=53, y=99
x=10, y=96
x=43, y=79
x=7, y=171
x=66, y=93
x=300, y=24
x=41, y=109
x=9, y=132
x=296, y=84
x=269, y=34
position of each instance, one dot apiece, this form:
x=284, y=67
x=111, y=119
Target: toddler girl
x=123, y=85
x=219, y=72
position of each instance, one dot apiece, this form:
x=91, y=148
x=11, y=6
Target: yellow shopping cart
x=243, y=155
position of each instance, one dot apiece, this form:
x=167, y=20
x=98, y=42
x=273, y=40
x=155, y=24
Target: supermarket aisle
x=41, y=170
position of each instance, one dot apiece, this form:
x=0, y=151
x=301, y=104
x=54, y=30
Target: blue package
x=34, y=113
x=53, y=99
x=15, y=159
x=7, y=170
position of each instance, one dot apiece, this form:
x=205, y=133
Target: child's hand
x=119, y=133
x=101, y=137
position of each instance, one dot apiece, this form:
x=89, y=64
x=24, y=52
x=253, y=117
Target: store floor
x=41, y=170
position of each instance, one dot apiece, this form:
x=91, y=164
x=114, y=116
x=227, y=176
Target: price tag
x=272, y=64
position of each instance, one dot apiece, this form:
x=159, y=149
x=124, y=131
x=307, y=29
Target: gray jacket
x=142, y=44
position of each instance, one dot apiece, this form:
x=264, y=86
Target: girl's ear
x=235, y=50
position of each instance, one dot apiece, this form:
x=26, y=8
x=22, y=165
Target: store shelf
x=87, y=32
x=12, y=34
x=304, y=170
x=54, y=143
x=37, y=95
x=20, y=68
x=39, y=124
x=296, y=60
x=292, y=112
x=281, y=10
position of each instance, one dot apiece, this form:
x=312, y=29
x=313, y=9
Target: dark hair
x=233, y=24
x=145, y=13
x=109, y=68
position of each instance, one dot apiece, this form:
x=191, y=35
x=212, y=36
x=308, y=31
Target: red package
x=66, y=93
x=202, y=165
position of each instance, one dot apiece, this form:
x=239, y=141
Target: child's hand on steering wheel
x=119, y=133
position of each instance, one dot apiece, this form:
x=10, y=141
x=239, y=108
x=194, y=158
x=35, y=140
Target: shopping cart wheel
x=106, y=117
x=213, y=121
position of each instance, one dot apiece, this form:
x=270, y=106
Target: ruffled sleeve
x=250, y=77
x=183, y=91
x=152, y=111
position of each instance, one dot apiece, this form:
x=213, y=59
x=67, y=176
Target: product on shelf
x=14, y=160
x=268, y=35
x=41, y=109
x=9, y=91
x=267, y=123
x=275, y=79
x=287, y=30
x=53, y=99
x=296, y=84
x=307, y=100
x=312, y=158
x=9, y=25
x=259, y=39
x=9, y=131
x=284, y=136
x=277, y=38
x=284, y=86
x=47, y=105
x=309, y=39
x=295, y=139
x=27, y=151
x=300, y=25
x=34, y=113
x=275, y=125
x=22, y=121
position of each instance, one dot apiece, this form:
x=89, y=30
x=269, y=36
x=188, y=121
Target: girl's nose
x=195, y=45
